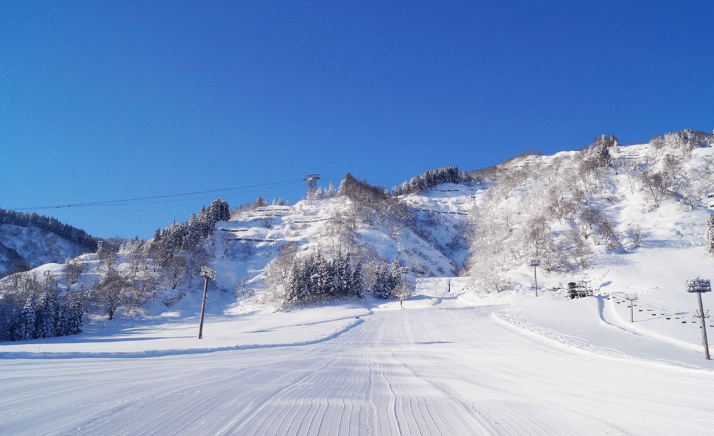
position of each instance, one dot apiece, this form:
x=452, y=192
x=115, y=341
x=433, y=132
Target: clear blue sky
x=108, y=100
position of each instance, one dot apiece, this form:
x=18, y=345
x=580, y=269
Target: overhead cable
x=129, y=200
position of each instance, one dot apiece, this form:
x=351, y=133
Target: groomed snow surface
x=448, y=363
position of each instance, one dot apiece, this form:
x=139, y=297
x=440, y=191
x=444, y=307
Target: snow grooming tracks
x=161, y=353
x=577, y=343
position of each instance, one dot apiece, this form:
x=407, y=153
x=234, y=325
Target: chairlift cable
x=129, y=200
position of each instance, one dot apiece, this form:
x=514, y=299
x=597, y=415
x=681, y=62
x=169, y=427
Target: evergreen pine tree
x=307, y=288
x=292, y=284
x=381, y=284
x=28, y=318
x=328, y=277
x=357, y=282
x=331, y=191
x=74, y=311
x=394, y=276
x=49, y=313
x=344, y=275
x=710, y=234
x=62, y=326
x=9, y=316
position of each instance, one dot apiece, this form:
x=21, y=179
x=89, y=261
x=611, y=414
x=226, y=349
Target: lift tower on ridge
x=311, y=180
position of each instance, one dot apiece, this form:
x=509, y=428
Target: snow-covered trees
x=174, y=268
x=49, y=310
x=367, y=200
x=110, y=292
x=381, y=288
x=539, y=208
x=688, y=139
x=394, y=277
x=387, y=280
x=218, y=210
x=73, y=269
x=107, y=254
x=598, y=154
x=315, y=278
x=319, y=194
x=356, y=281
x=126, y=279
x=656, y=141
x=64, y=231
x=658, y=181
x=489, y=249
x=187, y=235
x=176, y=251
x=536, y=232
x=32, y=307
x=136, y=252
x=196, y=258
x=563, y=204
x=431, y=178
x=710, y=234
x=372, y=204
x=28, y=318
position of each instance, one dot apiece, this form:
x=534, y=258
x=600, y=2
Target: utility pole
x=534, y=264
x=631, y=298
x=699, y=286
x=207, y=274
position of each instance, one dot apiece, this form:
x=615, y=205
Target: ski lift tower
x=311, y=180
x=700, y=285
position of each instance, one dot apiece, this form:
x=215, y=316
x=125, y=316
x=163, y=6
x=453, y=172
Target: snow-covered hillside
x=473, y=350
x=31, y=240
x=246, y=245
x=33, y=247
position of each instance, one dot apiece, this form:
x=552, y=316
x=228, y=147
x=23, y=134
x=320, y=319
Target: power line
x=130, y=200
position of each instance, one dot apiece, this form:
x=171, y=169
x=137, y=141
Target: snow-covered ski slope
x=439, y=366
x=459, y=362
x=671, y=251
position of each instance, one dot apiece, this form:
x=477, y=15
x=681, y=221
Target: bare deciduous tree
x=657, y=142
x=73, y=269
x=196, y=258
x=174, y=269
x=635, y=234
x=110, y=292
x=653, y=185
x=536, y=233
